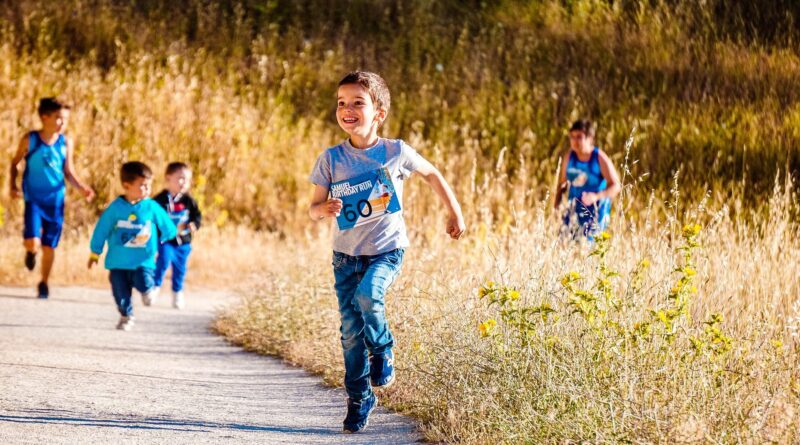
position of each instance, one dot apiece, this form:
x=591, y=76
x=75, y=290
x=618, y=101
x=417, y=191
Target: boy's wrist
x=315, y=213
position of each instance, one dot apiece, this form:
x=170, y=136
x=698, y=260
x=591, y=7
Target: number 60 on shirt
x=365, y=198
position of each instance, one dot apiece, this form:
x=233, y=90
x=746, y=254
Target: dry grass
x=564, y=378
x=227, y=258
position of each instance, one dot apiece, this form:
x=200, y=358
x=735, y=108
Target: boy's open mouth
x=349, y=120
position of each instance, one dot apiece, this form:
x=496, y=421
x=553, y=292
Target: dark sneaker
x=358, y=413
x=30, y=260
x=381, y=369
x=44, y=291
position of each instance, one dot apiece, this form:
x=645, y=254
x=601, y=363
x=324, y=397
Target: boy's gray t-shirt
x=343, y=162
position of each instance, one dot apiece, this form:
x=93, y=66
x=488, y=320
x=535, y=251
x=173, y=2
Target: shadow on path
x=46, y=416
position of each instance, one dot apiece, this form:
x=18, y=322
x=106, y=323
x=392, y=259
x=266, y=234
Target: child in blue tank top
x=48, y=156
x=591, y=180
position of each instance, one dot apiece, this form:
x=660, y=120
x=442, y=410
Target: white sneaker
x=178, y=301
x=125, y=323
x=149, y=297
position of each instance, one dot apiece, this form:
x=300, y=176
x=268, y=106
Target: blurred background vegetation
x=244, y=89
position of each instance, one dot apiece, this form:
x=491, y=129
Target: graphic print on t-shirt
x=133, y=234
x=578, y=178
x=366, y=198
x=179, y=215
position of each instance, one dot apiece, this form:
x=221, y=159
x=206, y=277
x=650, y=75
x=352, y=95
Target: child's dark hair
x=134, y=170
x=585, y=125
x=174, y=167
x=374, y=84
x=49, y=105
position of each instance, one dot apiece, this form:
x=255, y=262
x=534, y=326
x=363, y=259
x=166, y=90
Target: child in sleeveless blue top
x=48, y=164
x=592, y=182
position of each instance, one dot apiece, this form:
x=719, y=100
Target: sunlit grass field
x=680, y=327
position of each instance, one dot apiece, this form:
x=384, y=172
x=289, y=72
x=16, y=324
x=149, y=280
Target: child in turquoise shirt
x=133, y=225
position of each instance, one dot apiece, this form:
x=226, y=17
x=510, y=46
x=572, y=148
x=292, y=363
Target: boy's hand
x=456, y=226
x=331, y=207
x=192, y=227
x=589, y=198
x=88, y=193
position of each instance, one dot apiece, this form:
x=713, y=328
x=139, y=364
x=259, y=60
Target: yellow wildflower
x=691, y=229
x=514, y=295
x=605, y=235
x=645, y=263
x=487, y=327
x=689, y=271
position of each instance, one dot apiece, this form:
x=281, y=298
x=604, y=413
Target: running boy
x=592, y=180
x=129, y=226
x=183, y=211
x=368, y=245
x=48, y=155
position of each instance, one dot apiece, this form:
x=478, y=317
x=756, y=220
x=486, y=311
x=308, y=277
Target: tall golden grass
x=535, y=370
x=244, y=91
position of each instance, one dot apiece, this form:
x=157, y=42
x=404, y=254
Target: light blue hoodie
x=133, y=232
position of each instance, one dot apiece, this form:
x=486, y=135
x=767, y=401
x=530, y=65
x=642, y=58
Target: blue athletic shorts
x=44, y=222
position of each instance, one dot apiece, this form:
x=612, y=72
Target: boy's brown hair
x=134, y=170
x=374, y=84
x=174, y=167
x=585, y=125
x=49, y=105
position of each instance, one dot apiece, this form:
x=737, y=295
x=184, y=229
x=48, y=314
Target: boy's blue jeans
x=361, y=283
x=123, y=281
x=177, y=256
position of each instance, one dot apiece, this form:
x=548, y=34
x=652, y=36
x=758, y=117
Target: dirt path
x=67, y=376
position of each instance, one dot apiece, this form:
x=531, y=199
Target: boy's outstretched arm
x=561, y=186
x=69, y=174
x=101, y=232
x=166, y=228
x=455, y=221
x=322, y=207
x=22, y=150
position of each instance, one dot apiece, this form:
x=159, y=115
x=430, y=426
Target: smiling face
x=179, y=181
x=56, y=121
x=138, y=189
x=357, y=115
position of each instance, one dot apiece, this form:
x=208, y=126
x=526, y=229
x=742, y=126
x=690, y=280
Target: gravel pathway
x=67, y=376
